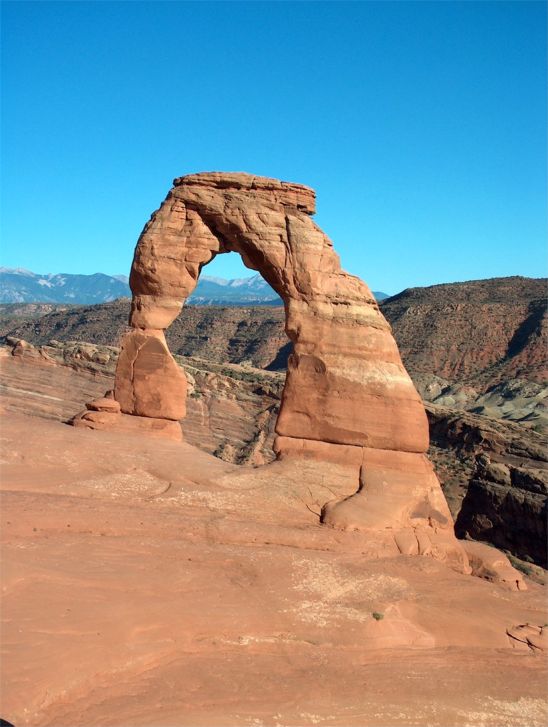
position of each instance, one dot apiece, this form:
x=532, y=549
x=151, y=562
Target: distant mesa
x=18, y=285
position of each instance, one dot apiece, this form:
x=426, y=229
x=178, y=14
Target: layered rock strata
x=507, y=505
x=232, y=412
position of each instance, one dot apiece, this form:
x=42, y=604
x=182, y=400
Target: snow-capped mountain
x=18, y=285
x=238, y=291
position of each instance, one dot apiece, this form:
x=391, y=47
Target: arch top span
x=286, y=193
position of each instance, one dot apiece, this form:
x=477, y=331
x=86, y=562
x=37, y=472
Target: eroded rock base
x=105, y=414
x=397, y=500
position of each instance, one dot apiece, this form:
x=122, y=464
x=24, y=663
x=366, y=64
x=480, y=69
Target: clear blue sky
x=422, y=127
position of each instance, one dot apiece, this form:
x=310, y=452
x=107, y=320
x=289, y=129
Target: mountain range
x=18, y=285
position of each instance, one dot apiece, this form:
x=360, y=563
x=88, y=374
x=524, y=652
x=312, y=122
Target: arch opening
x=244, y=318
x=234, y=356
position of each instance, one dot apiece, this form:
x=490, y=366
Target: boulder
x=107, y=420
x=489, y=563
x=104, y=404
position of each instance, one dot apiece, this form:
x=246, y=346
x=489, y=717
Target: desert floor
x=146, y=582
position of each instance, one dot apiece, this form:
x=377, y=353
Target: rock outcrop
x=492, y=565
x=457, y=341
x=507, y=504
x=347, y=396
x=495, y=476
x=168, y=595
x=345, y=384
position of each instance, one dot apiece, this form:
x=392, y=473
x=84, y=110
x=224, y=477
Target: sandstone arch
x=346, y=383
x=347, y=395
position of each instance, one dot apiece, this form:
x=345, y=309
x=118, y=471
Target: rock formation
x=507, y=505
x=347, y=396
x=167, y=596
x=460, y=342
x=346, y=383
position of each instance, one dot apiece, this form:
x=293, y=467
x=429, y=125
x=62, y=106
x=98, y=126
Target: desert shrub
x=520, y=565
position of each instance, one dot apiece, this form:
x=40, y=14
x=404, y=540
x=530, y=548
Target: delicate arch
x=347, y=396
x=345, y=383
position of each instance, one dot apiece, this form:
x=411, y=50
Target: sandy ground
x=145, y=582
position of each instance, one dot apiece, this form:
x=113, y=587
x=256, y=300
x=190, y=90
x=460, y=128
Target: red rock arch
x=345, y=384
x=347, y=396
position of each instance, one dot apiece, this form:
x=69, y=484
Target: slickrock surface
x=232, y=410
x=150, y=586
x=146, y=565
x=53, y=382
